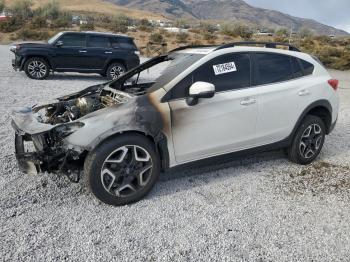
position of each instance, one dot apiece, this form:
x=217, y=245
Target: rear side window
x=297, y=70
x=123, y=42
x=308, y=67
x=73, y=40
x=99, y=41
x=273, y=68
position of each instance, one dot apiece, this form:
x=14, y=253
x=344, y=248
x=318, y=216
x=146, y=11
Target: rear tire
x=37, y=68
x=115, y=70
x=308, y=141
x=122, y=170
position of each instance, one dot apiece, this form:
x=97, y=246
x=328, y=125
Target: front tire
x=122, y=170
x=37, y=68
x=115, y=70
x=308, y=141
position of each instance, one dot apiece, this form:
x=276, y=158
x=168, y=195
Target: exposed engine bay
x=69, y=110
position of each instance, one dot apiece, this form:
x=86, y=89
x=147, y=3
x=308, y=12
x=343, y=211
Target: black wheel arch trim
x=26, y=58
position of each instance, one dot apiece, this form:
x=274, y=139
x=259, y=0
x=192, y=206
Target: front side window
x=273, y=68
x=99, y=41
x=226, y=72
x=73, y=40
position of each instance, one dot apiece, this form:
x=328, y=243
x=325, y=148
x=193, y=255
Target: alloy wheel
x=311, y=141
x=126, y=171
x=116, y=71
x=37, y=69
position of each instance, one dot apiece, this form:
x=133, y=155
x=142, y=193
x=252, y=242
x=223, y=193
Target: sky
x=330, y=12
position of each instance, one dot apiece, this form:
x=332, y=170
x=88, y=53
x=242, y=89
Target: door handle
x=82, y=51
x=247, y=102
x=108, y=52
x=304, y=92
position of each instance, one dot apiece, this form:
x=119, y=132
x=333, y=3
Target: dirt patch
x=318, y=178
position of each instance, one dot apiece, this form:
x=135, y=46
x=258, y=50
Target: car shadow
x=189, y=176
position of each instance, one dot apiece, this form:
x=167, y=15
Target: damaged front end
x=41, y=132
x=40, y=147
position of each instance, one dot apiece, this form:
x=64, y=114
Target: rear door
x=222, y=124
x=99, y=50
x=71, y=54
x=283, y=95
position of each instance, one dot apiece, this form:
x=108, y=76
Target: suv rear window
x=273, y=68
x=123, y=42
x=99, y=41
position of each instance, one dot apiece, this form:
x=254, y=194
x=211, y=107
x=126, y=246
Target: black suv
x=109, y=55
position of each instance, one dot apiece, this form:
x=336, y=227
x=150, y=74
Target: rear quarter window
x=307, y=67
x=273, y=68
x=123, y=42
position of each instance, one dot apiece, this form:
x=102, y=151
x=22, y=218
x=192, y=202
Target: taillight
x=334, y=83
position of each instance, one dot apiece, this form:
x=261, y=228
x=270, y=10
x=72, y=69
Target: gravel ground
x=259, y=208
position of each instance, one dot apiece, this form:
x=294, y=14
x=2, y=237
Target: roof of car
x=99, y=33
x=249, y=46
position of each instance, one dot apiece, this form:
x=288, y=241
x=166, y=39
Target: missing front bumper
x=28, y=162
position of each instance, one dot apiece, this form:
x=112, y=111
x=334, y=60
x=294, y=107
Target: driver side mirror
x=59, y=44
x=200, y=90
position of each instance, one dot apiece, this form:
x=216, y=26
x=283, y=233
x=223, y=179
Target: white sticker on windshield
x=225, y=68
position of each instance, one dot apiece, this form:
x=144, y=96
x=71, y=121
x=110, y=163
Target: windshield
x=54, y=38
x=157, y=72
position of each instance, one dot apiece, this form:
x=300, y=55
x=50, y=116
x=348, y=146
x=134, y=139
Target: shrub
x=120, y=24
x=156, y=38
x=181, y=37
x=50, y=10
x=64, y=20
x=87, y=27
x=21, y=9
x=29, y=34
x=10, y=25
x=38, y=22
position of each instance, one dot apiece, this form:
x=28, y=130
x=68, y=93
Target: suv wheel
x=308, y=141
x=122, y=170
x=37, y=68
x=115, y=70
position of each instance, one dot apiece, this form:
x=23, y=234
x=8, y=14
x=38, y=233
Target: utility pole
x=291, y=33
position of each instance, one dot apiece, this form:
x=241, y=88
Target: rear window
x=308, y=67
x=123, y=42
x=99, y=41
x=273, y=68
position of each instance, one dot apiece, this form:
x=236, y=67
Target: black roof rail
x=190, y=46
x=266, y=44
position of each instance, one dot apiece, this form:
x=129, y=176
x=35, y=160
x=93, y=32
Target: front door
x=222, y=124
x=71, y=55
